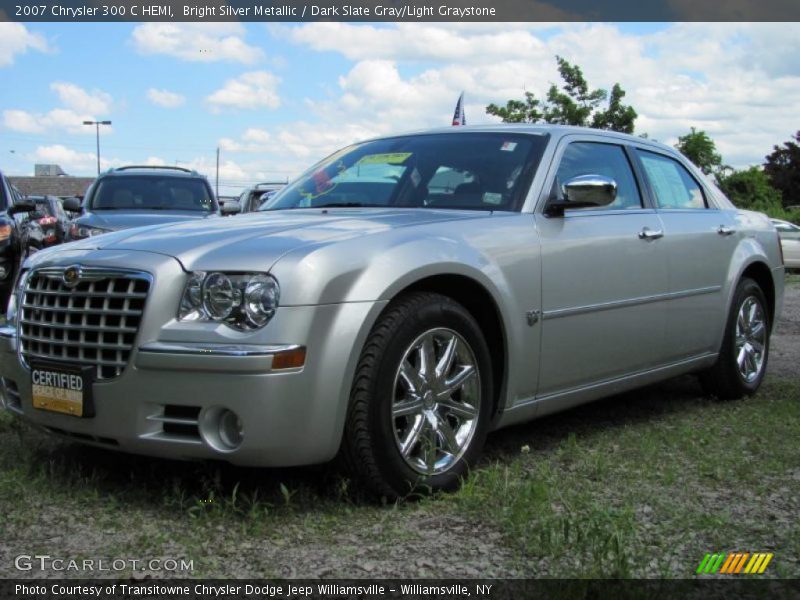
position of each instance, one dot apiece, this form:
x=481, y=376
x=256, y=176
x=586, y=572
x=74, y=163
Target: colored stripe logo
x=735, y=563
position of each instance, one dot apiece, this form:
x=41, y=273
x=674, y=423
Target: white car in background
x=790, y=242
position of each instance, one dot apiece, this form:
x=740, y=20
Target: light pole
x=97, y=125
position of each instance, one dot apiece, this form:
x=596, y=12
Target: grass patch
x=648, y=498
x=639, y=485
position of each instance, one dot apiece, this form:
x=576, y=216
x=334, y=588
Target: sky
x=275, y=98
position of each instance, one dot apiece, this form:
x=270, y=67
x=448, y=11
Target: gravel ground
x=339, y=541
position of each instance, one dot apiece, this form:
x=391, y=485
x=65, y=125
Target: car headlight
x=14, y=300
x=243, y=301
x=79, y=232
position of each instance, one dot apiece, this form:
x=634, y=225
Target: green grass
x=640, y=485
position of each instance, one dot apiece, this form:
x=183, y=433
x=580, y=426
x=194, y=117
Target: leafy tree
x=783, y=169
x=701, y=150
x=750, y=189
x=572, y=104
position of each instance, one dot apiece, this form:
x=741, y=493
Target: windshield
x=152, y=192
x=476, y=171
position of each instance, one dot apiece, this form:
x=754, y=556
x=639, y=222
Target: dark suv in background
x=11, y=202
x=136, y=196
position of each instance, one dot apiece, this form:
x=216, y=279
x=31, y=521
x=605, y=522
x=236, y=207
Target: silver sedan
x=401, y=299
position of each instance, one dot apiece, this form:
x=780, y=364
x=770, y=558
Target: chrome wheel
x=751, y=339
x=437, y=396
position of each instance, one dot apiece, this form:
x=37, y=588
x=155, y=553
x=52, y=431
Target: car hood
x=255, y=241
x=114, y=220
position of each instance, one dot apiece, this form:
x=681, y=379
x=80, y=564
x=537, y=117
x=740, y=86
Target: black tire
x=725, y=379
x=371, y=446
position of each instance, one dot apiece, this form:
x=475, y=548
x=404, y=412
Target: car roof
x=163, y=171
x=535, y=129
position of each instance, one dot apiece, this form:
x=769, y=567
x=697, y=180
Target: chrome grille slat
x=80, y=327
x=95, y=311
x=94, y=323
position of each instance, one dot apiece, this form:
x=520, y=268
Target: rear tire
x=421, y=399
x=742, y=360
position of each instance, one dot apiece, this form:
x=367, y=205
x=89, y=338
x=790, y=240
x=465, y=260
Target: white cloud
x=23, y=121
x=72, y=161
x=165, y=98
x=735, y=80
x=16, y=39
x=252, y=140
x=78, y=106
x=256, y=89
x=96, y=102
x=199, y=42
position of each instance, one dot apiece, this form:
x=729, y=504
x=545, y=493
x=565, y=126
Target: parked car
x=790, y=242
x=47, y=225
x=252, y=199
x=370, y=316
x=11, y=203
x=232, y=201
x=136, y=196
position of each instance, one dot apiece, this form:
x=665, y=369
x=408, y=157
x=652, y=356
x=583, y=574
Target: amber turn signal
x=289, y=359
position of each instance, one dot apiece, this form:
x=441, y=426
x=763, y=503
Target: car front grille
x=90, y=321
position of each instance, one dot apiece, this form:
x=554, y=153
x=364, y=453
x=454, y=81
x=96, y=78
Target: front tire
x=742, y=360
x=421, y=399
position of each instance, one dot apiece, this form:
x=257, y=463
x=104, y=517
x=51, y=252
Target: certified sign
x=62, y=388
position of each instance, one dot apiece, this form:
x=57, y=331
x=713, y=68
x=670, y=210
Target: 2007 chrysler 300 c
x=401, y=299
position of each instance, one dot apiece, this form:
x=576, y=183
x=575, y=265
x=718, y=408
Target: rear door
x=604, y=275
x=699, y=240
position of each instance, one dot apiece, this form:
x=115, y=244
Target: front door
x=604, y=277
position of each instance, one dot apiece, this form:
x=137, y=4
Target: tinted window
x=151, y=192
x=590, y=158
x=672, y=184
x=481, y=171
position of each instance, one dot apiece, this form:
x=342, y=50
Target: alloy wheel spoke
x=740, y=358
x=449, y=440
x=461, y=410
x=411, y=377
x=457, y=381
x=448, y=357
x=429, y=447
x=406, y=408
x=427, y=360
x=413, y=437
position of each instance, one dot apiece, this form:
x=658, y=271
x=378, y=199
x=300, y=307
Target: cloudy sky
x=275, y=98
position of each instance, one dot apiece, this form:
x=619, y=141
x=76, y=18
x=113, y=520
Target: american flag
x=458, y=116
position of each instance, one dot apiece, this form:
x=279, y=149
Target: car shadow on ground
x=160, y=482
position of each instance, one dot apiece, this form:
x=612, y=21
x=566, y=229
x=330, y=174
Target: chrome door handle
x=650, y=234
x=725, y=230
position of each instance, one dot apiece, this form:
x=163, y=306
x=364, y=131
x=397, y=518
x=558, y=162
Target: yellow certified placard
x=393, y=158
x=60, y=400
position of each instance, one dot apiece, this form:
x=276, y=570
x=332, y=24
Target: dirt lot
x=642, y=485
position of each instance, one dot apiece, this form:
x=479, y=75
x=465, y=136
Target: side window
x=591, y=158
x=673, y=186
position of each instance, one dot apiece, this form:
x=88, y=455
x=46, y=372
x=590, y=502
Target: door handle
x=650, y=234
x=725, y=230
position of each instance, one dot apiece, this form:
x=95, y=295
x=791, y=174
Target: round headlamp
x=219, y=296
x=261, y=297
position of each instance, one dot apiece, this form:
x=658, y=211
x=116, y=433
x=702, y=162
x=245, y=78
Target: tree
x=701, y=150
x=750, y=189
x=573, y=104
x=783, y=169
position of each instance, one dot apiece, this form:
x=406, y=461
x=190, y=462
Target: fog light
x=230, y=429
x=3, y=272
x=221, y=428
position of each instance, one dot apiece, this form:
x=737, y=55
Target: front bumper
x=164, y=402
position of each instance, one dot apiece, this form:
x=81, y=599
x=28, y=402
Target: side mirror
x=584, y=191
x=230, y=208
x=72, y=205
x=23, y=205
